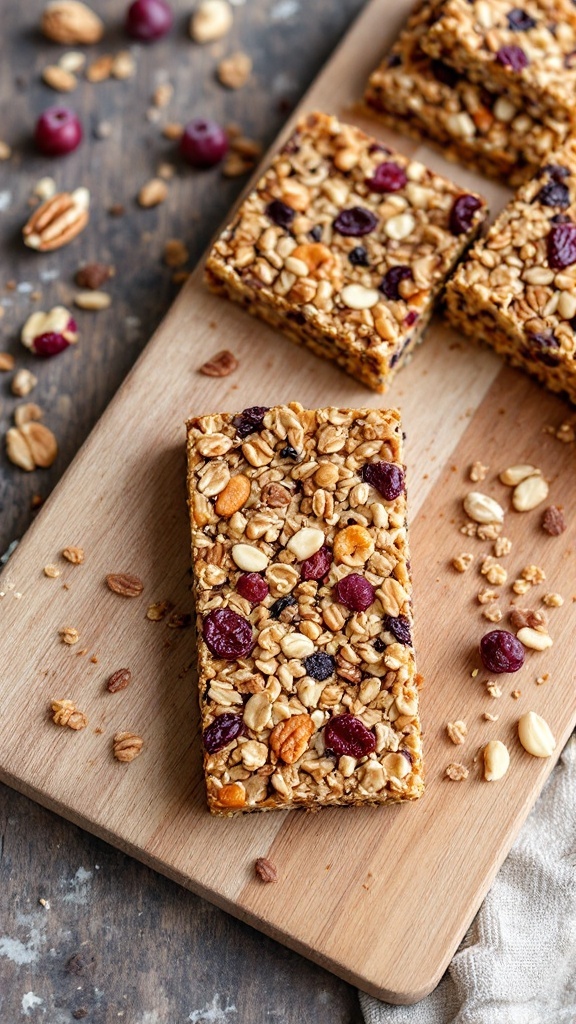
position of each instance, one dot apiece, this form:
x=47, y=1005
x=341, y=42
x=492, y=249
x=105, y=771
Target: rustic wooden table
x=113, y=940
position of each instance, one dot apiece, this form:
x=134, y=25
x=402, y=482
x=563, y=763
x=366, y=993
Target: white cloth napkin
x=517, y=963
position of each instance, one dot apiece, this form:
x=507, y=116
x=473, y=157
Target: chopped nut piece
x=163, y=94
x=520, y=617
x=235, y=165
x=457, y=772
x=489, y=717
x=179, y=620
x=489, y=531
x=469, y=529
x=27, y=413
x=521, y=587
x=92, y=300
x=93, y=275
x=59, y=79
x=153, y=192
x=125, y=584
x=493, y=614
x=516, y=694
x=542, y=679
x=119, y=680
x=74, y=555
x=486, y=595
x=156, y=612
x=100, y=69
x=72, y=60
x=533, y=573
x=516, y=474
x=478, y=472
x=566, y=433
x=126, y=746
x=69, y=635
x=220, y=365
x=457, y=731
x=175, y=253
x=234, y=71
x=534, y=639
x=41, y=442
x=211, y=20
x=123, y=65
x=495, y=574
x=173, y=131
x=6, y=362
x=462, y=562
x=530, y=493
x=65, y=712
x=493, y=689
x=52, y=571
x=553, y=521
x=265, y=870
x=23, y=382
x=535, y=735
x=496, y=760
x=553, y=600
x=502, y=546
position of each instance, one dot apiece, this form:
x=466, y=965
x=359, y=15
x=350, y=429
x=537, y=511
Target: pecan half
x=553, y=521
x=93, y=275
x=289, y=739
x=119, y=680
x=125, y=584
x=220, y=365
x=57, y=221
x=126, y=746
x=265, y=870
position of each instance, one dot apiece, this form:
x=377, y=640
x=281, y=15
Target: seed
x=535, y=735
x=92, y=300
x=496, y=760
x=482, y=509
x=534, y=639
x=515, y=474
x=529, y=493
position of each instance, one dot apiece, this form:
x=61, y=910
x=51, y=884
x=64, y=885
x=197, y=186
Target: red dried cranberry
x=445, y=74
x=355, y=592
x=561, y=245
x=388, y=177
x=280, y=213
x=386, y=477
x=411, y=318
x=391, y=281
x=519, y=21
x=204, y=143
x=544, y=348
x=512, y=57
x=399, y=626
x=317, y=566
x=345, y=734
x=227, y=634
x=358, y=257
x=148, y=20
x=251, y=586
x=222, y=731
x=355, y=222
x=50, y=344
x=250, y=420
x=501, y=651
x=58, y=131
x=462, y=213
x=320, y=665
x=554, y=193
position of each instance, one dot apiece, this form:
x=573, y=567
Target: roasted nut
x=119, y=680
x=23, y=382
x=462, y=562
x=353, y=546
x=249, y=558
x=26, y=413
x=233, y=497
x=153, y=192
x=515, y=474
x=457, y=731
x=52, y=571
x=57, y=221
x=69, y=635
x=42, y=443
x=289, y=739
x=74, y=555
x=6, y=362
x=158, y=611
x=456, y=772
x=94, y=301
x=71, y=23
x=93, y=275
x=496, y=760
x=553, y=521
x=220, y=365
x=125, y=584
x=59, y=79
x=18, y=450
x=534, y=639
x=265, y=870
x=535, y=735
x=126, y=746
x=530, y=493
x=211, y=20
x=483, y=509
x=65, y=712
x=306, y=542
x=235, y=70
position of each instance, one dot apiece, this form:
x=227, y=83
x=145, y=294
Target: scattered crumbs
x=82, y=652
x=474, y=673
x=544, y=678
x=44, y=903
x=478, y=472
x=457, y=731
x=493, y=688
x=469, y=529
x=17, y=595
x=553, y=600
x=493, y=613
x=94, y=659
x=457, y=772
x=52, y=571
x=485, y=595
x=462, y=562
x=516, y=694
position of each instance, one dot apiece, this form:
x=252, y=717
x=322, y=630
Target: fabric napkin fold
x=517, y=962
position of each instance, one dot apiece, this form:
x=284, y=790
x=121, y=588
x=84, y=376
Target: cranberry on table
x=512, y=57
x=346, y=734
x=252, y=587
x=561, y=245
x=280, y=213
x=51, y=344
x=204, y=143
x=227, y=634
x=58, y=131
x=320, y=666
x=317, y=566
x=388, y=177
x=222, y=731
x=392, y=279
x=462, y=213
x=355, y=222
x=501, y=651
x=386, y=477
x=250, y=420
x=148, y=20
x=399, y=626
x=355, y=592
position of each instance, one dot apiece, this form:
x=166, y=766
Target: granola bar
x=345, y=246
x=521, y=50
x=308, y=690
x=427, y=99
x=517, y=291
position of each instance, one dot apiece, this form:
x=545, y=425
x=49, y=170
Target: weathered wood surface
x=160, y=954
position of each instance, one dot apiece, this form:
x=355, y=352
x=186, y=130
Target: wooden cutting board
x=379, y=896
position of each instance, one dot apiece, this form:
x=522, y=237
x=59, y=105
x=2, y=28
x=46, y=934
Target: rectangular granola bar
x=519, y=50
x=428, y=100
x=345, y=246
x=308, y=689
x=517, y=291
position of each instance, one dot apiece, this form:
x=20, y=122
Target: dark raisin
x=386, y=477
x=320, y=666
x=445, y=74
x=283, y=602
x=345, y=734
x=462, y=213
x=556, y=171
x=501, y=651
x=316, y=233
x=555, y=193
x=222, y=731
x=387, y=177
x=512, y=57
x=358, y=257
x=399, y=626
x=289, y=453
x=250, y=420
x=519, y=21
x=560, y=218
x=227, y=634
x=355, y=221
x=394, y=60
x=379, y=645
x=280, y=213
x=544, y=348
x=390, y=283
x=561, y=245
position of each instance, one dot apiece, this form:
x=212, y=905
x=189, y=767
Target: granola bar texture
x=523, y=50
x=517, y=290
x=308, y=689
x=428, y=100
x=323, y=249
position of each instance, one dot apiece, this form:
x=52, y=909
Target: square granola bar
x=308, y=688
x=429, y=100
x=517, y=291
x=345, y=246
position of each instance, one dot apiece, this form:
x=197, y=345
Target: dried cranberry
x=462, y=213
x=227, y=634
x=561, y=245
x=501, y=651
x=355, y=592
x=320, y=665
x=204, y=142
x=345, y=734
x=544, y=348
x=250, y=420
x=318, y=565
x=554, y=193
x=358, y=257
x=512, y=57
x=388, y=177
x=411, y=318
x=386, y=477
x=280, y=213
x=148, y=20
x=355, y=222
x=391, y=281
x=222, y=731
x=253, y=587
x=289, y=453
x=519, y=21
x=445, y=74
x=50, y=344
x=58, y=131
x=283, y=602
x=399, y=626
